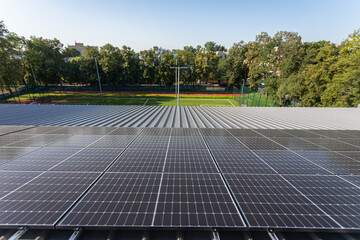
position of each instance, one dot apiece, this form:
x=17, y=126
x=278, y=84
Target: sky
x=143, y=24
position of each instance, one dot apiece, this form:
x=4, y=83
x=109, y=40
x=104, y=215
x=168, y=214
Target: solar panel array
x=70, y=177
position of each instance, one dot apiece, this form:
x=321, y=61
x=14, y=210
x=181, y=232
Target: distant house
x=80, y=47
x=221, y=54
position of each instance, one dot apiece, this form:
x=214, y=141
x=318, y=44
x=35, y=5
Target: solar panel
x=272, y=133
x=12, y=138
x=10, y=181
x=352, y=179
x=117, y=200
x=230, y=143
x=189, y=161
x=353, y=155
x=184, y=132
x=239, y=161
x=244, y=133
x=352, y=141
x=330, y=133
x=333, y=144
x=182, y=142
x=335, y=163
x=287, y=162
x=84, y=130
x=42, y=201
x=301, y=133
x=126, y=131
x=151, y=142
x=260, y=144
x=298, y=144
x=10, y=129
x=140, y=160
x=352, y=133
x=215, y=132
x=336, y=197
x=269, y=201
x=39, y=141
x=195, y=200
x=89, y=160
x=156, y=132
x=76, y=141
x=8, y=153
x=39, y=160
x=113, y=141
x=40, y=130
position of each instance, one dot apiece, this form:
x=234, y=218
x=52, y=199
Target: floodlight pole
x=97, y=71
x=177, y=82
x=178, y=99
x=242, y=89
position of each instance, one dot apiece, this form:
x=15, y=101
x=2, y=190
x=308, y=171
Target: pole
x=176, y=69
x=178, y=86
x=242, y=90
x=97, y=71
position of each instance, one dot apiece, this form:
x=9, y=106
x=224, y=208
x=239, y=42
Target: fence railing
x=247, y=97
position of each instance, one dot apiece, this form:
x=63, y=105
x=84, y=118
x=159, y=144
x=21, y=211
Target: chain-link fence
x=246, y=97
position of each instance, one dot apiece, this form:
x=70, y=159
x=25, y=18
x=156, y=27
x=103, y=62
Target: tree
x=149, y=63
x=213, y=47
x=43, y=57
x=11, y=70
x=237, y=69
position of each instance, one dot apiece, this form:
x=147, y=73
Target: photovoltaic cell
x=215, y=132
x=39, y=160
x=330, y=133
x=189, y=161
x=238, y=161
x=297, y=144
x=113, y=141
x=151, y=142
x=353, y=179
x=195, y=200
x=243, y=133
x=117, y=200
x=353, y=155
x=42, y=201
x=181, y=142
x=272, y=133
x=39, y=141
x=10, y=181
x=91, y=160
x=156, y=132
x=336, y=197
x=334, y=162
x=12, y=138
x=8, y=153
x=301, y=133
x=270, y=201
x=84, y=130
x=140, y=160
x=126, y=131
x=286, y=162
x=229, y=143
x=260, y=144
x=185, y=132
x=352, y=141
x=76, y=141
x=333, y=144
x=40, y=130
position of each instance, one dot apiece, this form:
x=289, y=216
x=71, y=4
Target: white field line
x=146, y=101
x=231, y=103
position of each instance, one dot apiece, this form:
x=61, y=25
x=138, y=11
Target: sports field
x=146, y=99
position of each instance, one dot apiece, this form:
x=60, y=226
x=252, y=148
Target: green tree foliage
x=237, y=70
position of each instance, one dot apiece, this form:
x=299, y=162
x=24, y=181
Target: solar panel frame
x=298, y=144
x=260, y=144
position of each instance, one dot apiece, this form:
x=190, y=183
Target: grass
x=138, y=99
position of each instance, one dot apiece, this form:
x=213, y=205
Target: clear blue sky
x=170, y=24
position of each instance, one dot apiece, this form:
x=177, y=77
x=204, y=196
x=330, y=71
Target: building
x=81, y=47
